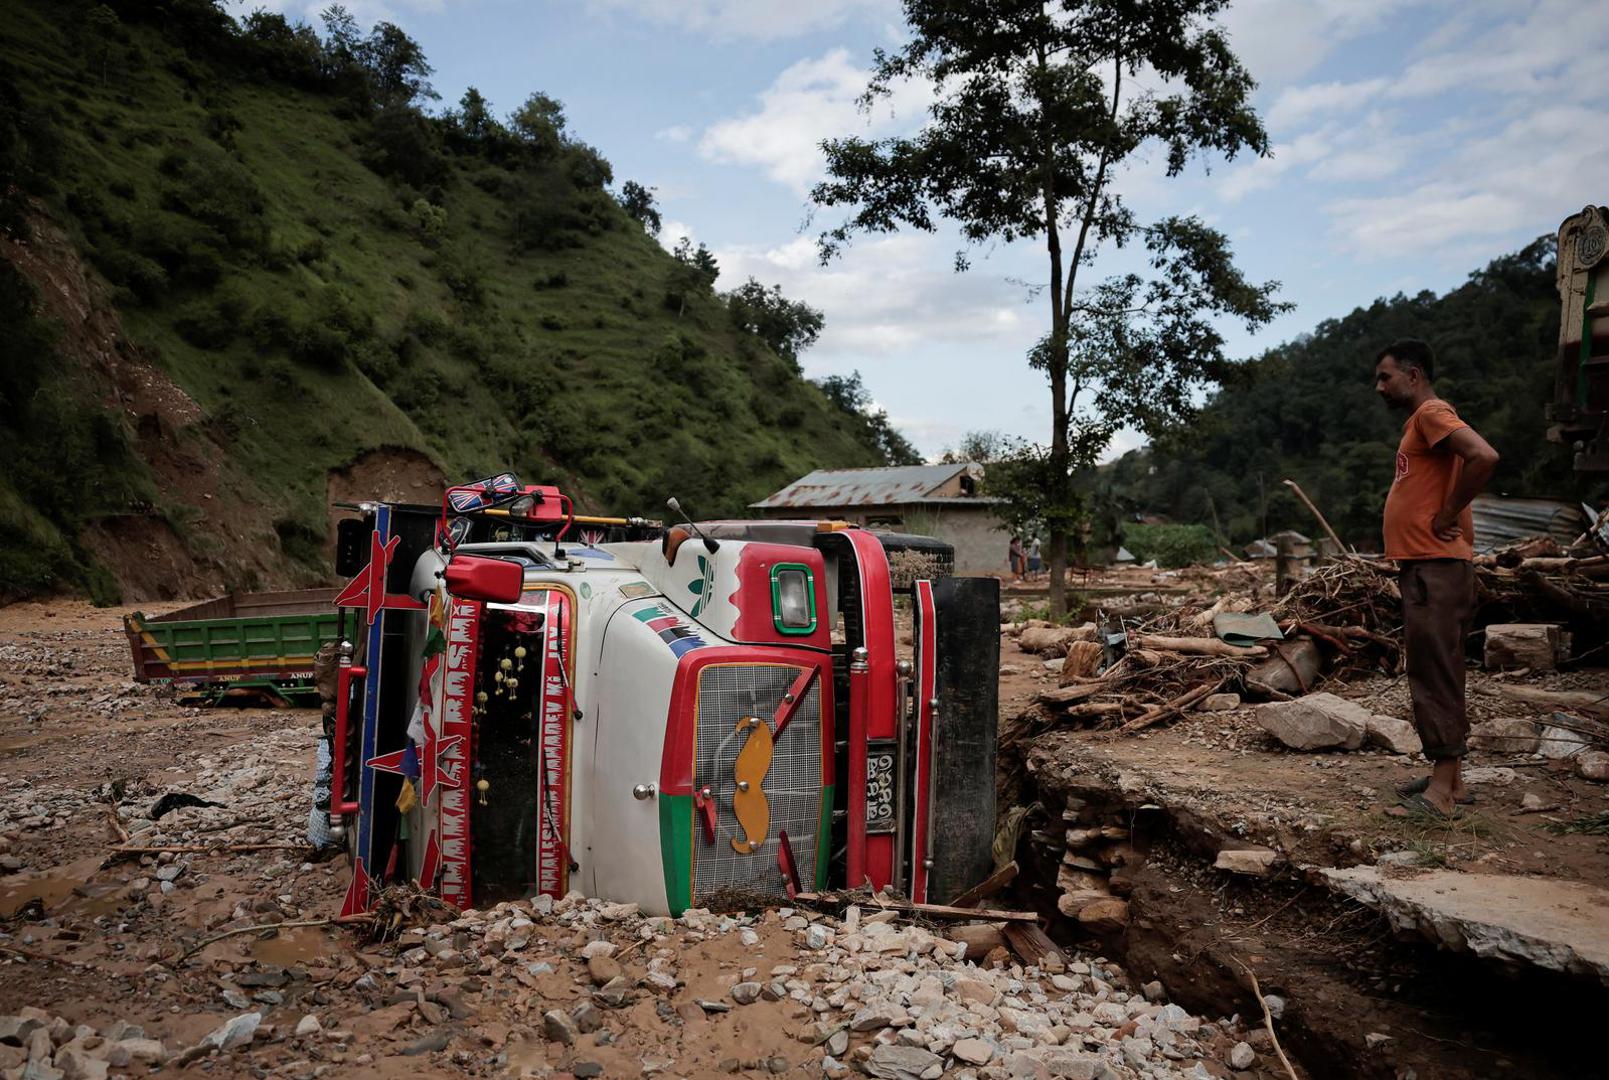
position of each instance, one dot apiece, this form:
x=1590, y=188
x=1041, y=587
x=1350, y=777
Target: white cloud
x=1298, y=104
x=671, y=233
x=676, y=133
x=887, y=295
x=1282, y=40
x=764, y=20
x=813, y=100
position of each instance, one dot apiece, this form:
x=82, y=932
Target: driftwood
x=987, y=887
x=933, y=911
x=1066, y=695
x=1178, y=704
x=1300, y=494
x=1031, y=943
x=1586, y=701
x=1197, y=646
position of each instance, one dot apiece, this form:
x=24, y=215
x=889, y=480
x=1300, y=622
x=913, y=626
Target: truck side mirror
x=478, y=577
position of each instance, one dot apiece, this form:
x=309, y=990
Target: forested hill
x=251, y=266
x=1307, y=411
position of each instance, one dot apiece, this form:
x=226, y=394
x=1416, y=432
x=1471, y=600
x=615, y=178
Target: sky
x=1413, y=141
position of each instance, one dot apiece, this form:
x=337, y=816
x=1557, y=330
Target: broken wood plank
x=1066, y=695
x=936, y=911
x=1586, y=701
x=1031, y=943
x=1197, y=646
x=987, y=887
x=1537, y=646
x=1178, y=704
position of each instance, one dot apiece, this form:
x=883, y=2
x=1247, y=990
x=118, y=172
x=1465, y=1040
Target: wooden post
x=1284, y=567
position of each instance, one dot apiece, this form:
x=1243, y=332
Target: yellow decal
x=748, y=802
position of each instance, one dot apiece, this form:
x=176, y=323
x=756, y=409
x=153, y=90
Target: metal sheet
x=867, y=487
x=1502, y=520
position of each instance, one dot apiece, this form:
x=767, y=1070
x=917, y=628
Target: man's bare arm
x=1480, y=460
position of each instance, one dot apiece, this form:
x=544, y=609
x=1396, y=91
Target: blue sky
x=1413, y=141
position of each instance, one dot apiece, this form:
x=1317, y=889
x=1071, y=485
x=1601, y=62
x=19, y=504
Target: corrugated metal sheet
x=863, y=487
x=1501, y=520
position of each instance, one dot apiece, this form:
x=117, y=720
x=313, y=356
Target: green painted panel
x=676, y=850
x=824, y=838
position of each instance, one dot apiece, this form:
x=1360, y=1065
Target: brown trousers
x=1438, y=602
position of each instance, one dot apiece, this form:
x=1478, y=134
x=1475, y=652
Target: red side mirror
x=477, y=577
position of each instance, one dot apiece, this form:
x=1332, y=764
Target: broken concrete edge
x=1547, y=923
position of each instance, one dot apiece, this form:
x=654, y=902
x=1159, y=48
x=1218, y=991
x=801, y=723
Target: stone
x=838, y=1042
x=597, y=948
x=1593, y=765
x=14, y=1030
x=1375, y=1039
x=39, y=1070
x=1106, y=916
x=142, y=1050
x=236, y=1032
x=78, y=1064
x=1538, y=646
x=586, y=1070
x=308, y=1025
x=1072, y=1065
x=746, y=993
x=974, y=990
x=1390, y=733
x=1242, y=1057
x=617, y=912
x=602, y=969
x=1252, y=861
x=1153, y=991
x=586, y=1017
x=904, y=1063
x=1559, y=743
x=973, y=1051
x=871, y=1018
x=1507, y=735
x=426, y=1044
x=817, y=937
x=1220, y=702
x=558, y=1027
x=1315, y=722
x=1276, y=1005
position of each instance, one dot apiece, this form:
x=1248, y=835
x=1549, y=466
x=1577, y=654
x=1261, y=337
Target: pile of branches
x=1341, y=620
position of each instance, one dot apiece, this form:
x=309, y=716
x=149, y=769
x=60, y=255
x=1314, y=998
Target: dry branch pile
x=1341, y=620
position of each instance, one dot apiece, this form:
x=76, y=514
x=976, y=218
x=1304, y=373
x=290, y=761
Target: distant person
x=1014, y=556
x=1033, y=558
x=1442, y=464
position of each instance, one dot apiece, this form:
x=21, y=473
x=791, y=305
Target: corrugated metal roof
x=1501, y=520
x=863, y=487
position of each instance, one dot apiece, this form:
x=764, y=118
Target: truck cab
x=543, y=703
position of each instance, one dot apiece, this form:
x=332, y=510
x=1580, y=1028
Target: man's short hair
x=1410, y=353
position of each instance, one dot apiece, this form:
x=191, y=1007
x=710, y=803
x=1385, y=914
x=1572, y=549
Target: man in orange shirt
x=1442, y=464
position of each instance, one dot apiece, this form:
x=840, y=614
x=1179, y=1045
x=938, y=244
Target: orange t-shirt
x=1426, y=472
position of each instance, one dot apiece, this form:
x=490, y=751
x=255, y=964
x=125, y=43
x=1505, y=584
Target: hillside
x=1307, y=411
x=246, y=272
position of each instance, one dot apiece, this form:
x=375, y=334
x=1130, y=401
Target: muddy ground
x=99, y=936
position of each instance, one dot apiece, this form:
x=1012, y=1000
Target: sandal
x=1422, y=785
x=1418, y=804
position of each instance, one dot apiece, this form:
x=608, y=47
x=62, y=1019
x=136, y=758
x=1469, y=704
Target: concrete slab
x=1558, y=925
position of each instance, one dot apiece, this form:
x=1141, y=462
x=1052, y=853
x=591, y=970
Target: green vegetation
x=1170, y=545
x=326, y=269
x=1307, y=411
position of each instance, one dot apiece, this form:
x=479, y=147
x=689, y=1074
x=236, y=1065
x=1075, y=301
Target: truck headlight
x=793, y=598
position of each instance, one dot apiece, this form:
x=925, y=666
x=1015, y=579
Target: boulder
x=1593, y=765
x=1316, y=722
x=1390, y=733
x=1538, y=646
x=1252, y=861
x=1107, y=916
x=904, y=1063
x=1507, y=735
x=1220, y=702
x=1560, y=742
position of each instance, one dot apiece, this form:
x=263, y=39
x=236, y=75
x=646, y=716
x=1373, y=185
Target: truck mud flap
x=961, y=814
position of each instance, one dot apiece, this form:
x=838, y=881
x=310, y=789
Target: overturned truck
x=541, y=702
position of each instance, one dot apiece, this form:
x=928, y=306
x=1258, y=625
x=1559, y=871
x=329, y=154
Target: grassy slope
x=559, y=372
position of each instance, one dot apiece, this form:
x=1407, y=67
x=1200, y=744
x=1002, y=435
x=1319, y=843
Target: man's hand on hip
x=1445, y=525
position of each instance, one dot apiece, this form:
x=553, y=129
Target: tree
x=850, y=395
x=474, y=117
x=638, y=202
x=396, y=66
x=539, y=123
x=103, y=27
x=788, y=326
x=693, y=275
x=1036, y=108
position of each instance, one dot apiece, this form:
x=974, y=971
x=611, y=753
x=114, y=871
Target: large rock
x=1538, y=646
x=1593, y=765
x=1105, y=916
x=1316, y=722
x=904, y=1063
x=1552, y=924
x=1397, y=736
x=1252, y=861
x=1507, y=735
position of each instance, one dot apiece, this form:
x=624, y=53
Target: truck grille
x=726, y=694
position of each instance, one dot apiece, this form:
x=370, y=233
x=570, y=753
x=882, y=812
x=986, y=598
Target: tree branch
x=1095, y=189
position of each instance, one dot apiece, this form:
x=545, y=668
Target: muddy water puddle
x=60, y=889
x=301, y=946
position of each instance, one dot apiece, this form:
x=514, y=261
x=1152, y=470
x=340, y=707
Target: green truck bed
x=244, y=641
